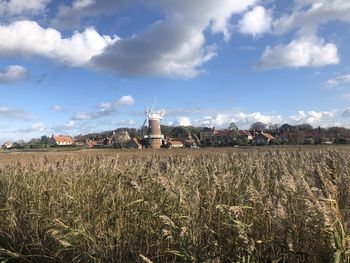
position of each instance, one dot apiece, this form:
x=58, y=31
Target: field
x=203, y=205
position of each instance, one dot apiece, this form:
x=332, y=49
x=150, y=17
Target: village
x=156, y=137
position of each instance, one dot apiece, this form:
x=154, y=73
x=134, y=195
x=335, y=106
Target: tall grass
x=262, y=206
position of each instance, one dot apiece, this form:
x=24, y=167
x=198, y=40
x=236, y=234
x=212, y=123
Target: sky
x=74, y=67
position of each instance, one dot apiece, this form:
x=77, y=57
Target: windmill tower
x=154, y=136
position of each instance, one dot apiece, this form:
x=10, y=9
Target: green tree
x=233, y=129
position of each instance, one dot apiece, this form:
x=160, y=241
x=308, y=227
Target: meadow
x=204, y=205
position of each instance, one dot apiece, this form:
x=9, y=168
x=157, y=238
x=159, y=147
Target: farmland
x=204, y=205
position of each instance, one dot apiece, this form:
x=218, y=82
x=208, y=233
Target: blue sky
x=71, y=67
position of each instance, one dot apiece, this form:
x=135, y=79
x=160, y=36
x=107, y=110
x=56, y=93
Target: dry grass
x=217, y=205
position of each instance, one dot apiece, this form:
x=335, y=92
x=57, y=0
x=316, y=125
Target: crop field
x=204, y=205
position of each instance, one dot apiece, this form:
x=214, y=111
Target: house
x=119, y=139
x=299, y=137
x=245, y=135
x=223, y=137
x=90, y=143
x=314, y=134
x=190, y=143
x=60, y=140
x=263, y=138
x=206, y=135
x=7, y=145
x=102, y=141
x=284, y=137
x=135, y=143
x=175, y=143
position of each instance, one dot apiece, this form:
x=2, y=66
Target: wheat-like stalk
x=252, y=205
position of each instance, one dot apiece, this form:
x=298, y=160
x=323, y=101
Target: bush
x=37, y=146
x=309, y=141
x=341, y=141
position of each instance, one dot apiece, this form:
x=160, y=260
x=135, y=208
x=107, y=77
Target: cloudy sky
x=72, y=67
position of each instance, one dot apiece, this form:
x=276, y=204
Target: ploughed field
x=203, y=205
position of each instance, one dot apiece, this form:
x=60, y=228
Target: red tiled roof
x=91, y=144
x=243, y=133
x=63, y=139
x=221, y=134
x=267, y=135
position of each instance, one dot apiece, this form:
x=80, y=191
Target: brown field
x=278, y=204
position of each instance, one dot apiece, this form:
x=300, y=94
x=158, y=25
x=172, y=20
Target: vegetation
x=263, y=205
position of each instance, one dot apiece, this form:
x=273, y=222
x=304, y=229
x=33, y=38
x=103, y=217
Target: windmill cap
x=155, y=116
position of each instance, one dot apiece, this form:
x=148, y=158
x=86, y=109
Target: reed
x=273, y=205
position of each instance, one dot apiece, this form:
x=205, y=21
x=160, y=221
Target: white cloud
x=256, y=22
x=243, y=119
x=222, y=120
x=12, y=113
x=305, y=51
x=36, y=127
x=175, y=46
x=314, y=118
x=74, y=51
x=12, y=74
x=123, y=123
x=70, y=125
x=105, y=109
x=126, y=100
x=312, y=13
x=57, y=108
x=346, y=113
x=70, y=16
x=181, y=121
x=344, y=79
x=11, y=8
x=106, y=105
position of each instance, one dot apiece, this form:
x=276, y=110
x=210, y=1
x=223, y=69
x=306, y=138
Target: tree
x=287, y=127
x=273, y=126
x=309, y=141
x=258, y=126
x=233, y=129
x=180, y=132
x=166, y=130
x=304, y=127
x=45, y=139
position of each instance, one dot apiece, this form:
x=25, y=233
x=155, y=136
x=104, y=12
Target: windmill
x=154, y=137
